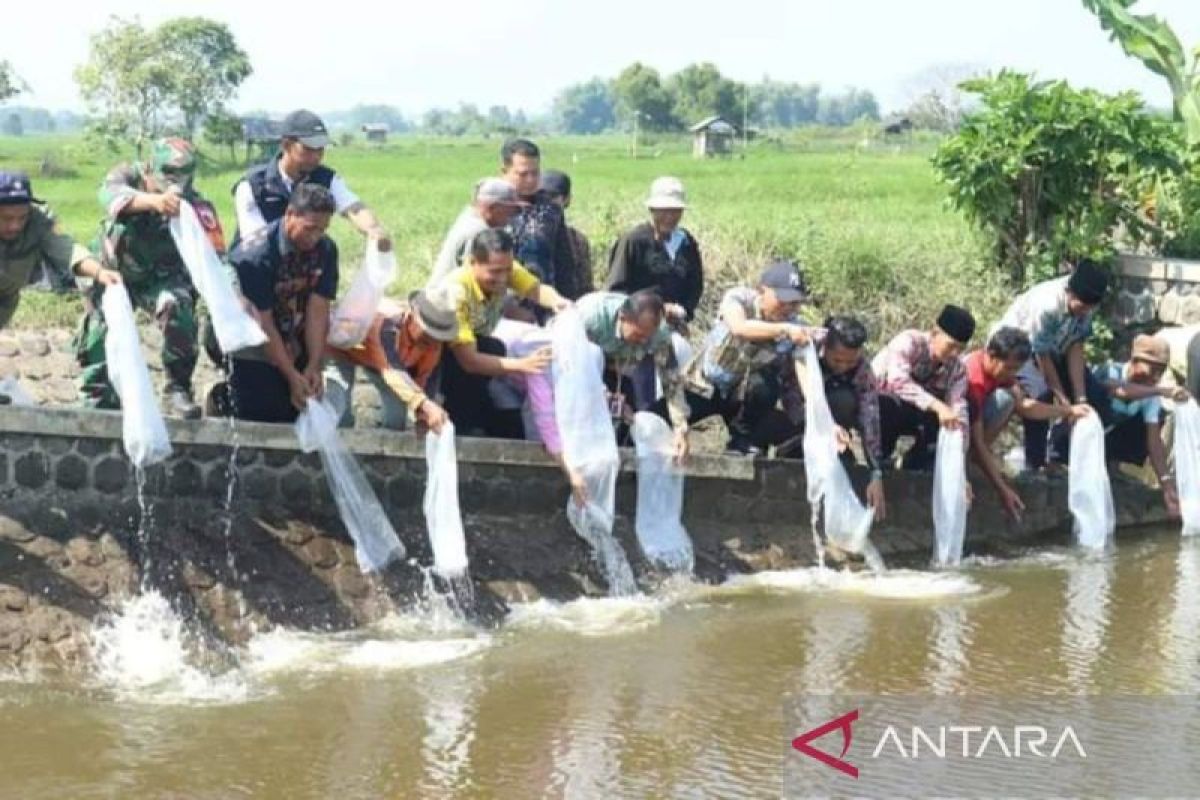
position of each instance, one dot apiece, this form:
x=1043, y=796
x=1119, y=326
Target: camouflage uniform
x=140, y=246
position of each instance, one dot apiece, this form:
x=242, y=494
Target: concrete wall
x=1156, y=290
x=78, y=533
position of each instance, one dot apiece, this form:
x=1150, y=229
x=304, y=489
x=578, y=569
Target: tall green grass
x=867, y=221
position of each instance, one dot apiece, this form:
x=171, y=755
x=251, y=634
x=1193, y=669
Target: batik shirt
x=906, y=369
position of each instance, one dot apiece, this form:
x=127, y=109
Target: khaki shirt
x=41, y=243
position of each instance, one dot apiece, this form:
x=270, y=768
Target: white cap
x=667, y=193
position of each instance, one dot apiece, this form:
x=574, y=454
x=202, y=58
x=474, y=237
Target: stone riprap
x=78, y=533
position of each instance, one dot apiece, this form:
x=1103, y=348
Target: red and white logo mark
x=842, y=723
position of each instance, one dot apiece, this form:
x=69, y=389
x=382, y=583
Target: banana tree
x=1151, y=41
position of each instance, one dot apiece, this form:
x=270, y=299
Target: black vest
x=271, y=193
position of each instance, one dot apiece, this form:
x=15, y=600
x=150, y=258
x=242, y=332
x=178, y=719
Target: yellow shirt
x=477, y=312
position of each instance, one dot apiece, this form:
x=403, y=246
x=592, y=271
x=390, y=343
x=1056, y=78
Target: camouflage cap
x=173, y=156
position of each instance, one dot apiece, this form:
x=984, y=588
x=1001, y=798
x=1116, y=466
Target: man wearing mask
x=139, y=200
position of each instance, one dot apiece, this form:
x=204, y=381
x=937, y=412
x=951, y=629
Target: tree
x=699, y=91
x=136, y=78
x=639, y=95
x=224, y=129
x=936, y=101
x=126, y=83
x=585, y=108
x=1051, y=172
x=206, y=66
x=1151, y=41
x=775, y=104
x=13, y=126
x=11, y=84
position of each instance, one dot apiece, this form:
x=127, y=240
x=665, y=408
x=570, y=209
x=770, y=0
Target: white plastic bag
x=658, y=524
x=235, y=329
x=1187, y=464
x=949, y=498
x=375, y=541
x=353, y=314
x=1089, y=492
x=443, y=519
x=847, y=521
x=142, y=428
x=589, y=445
x=11, y=387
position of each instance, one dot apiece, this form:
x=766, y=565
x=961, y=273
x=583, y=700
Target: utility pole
x=745, y=115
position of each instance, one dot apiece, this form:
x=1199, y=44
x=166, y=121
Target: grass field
x=868, y=223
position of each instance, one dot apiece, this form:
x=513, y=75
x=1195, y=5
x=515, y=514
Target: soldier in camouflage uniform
x=34, y=250
x=136, y=240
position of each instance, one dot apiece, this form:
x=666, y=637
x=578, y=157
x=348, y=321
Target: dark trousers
x=900, y=418
x=1040, y=440
x=744, y=409
x=778, y=429
x=258, y=392
x=1193, y=366
x=468, y=401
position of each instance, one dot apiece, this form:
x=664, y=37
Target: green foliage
x=701, y=91
x=775, y=104
x=585, y=108
x=1050, y=172
x=640, y=95
x=136, y=78
x=847, y=108
x=224, y=130
x=13, y=125
x=206, y=66
x=1151, y=41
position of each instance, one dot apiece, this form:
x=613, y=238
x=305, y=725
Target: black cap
x=787, y=281
x=957, y=323
x=15, y=189
x=556, y=183
x=1088, y=282
x=307, y=127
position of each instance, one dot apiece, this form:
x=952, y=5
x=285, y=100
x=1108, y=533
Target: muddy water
x=680, y=695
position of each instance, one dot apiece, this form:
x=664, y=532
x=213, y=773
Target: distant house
x=376, y=131
x=712, y=137
x=261, y=136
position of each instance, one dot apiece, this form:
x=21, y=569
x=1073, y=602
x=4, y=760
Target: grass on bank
x=868, y=222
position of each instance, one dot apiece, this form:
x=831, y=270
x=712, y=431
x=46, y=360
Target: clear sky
x=415, y=54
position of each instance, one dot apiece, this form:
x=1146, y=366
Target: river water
x=680, y=695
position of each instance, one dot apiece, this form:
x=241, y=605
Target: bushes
x=1051, y=173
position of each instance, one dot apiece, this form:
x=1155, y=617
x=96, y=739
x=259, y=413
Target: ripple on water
x=602, y=616
x=900, y=584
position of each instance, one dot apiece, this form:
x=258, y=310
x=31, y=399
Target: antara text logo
x=957, y=741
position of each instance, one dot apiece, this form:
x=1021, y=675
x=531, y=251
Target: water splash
x=602, y=616
x=142, y=653
x=899, y=584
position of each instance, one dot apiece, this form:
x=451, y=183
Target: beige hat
x=1152, y=350
x=667, y=192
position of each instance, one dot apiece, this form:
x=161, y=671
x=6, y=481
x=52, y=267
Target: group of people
x=474, y=346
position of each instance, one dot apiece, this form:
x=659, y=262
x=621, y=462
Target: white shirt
x=250, y=218
x=454, y=246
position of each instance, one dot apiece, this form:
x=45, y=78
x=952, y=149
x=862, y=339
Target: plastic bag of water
x=375, y=541
x=589, y=445
x=949, y=498
x=142, y=427
x=1089, y=492
x=352, y=317
x=847, y=521
x=1187, y=464
x=235, y=329
x=443, y=519
x=659, y=528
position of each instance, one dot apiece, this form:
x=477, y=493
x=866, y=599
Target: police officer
x=31, y=245
x=261, y=197
x=139, y=201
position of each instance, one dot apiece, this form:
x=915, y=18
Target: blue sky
x=422, y=53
